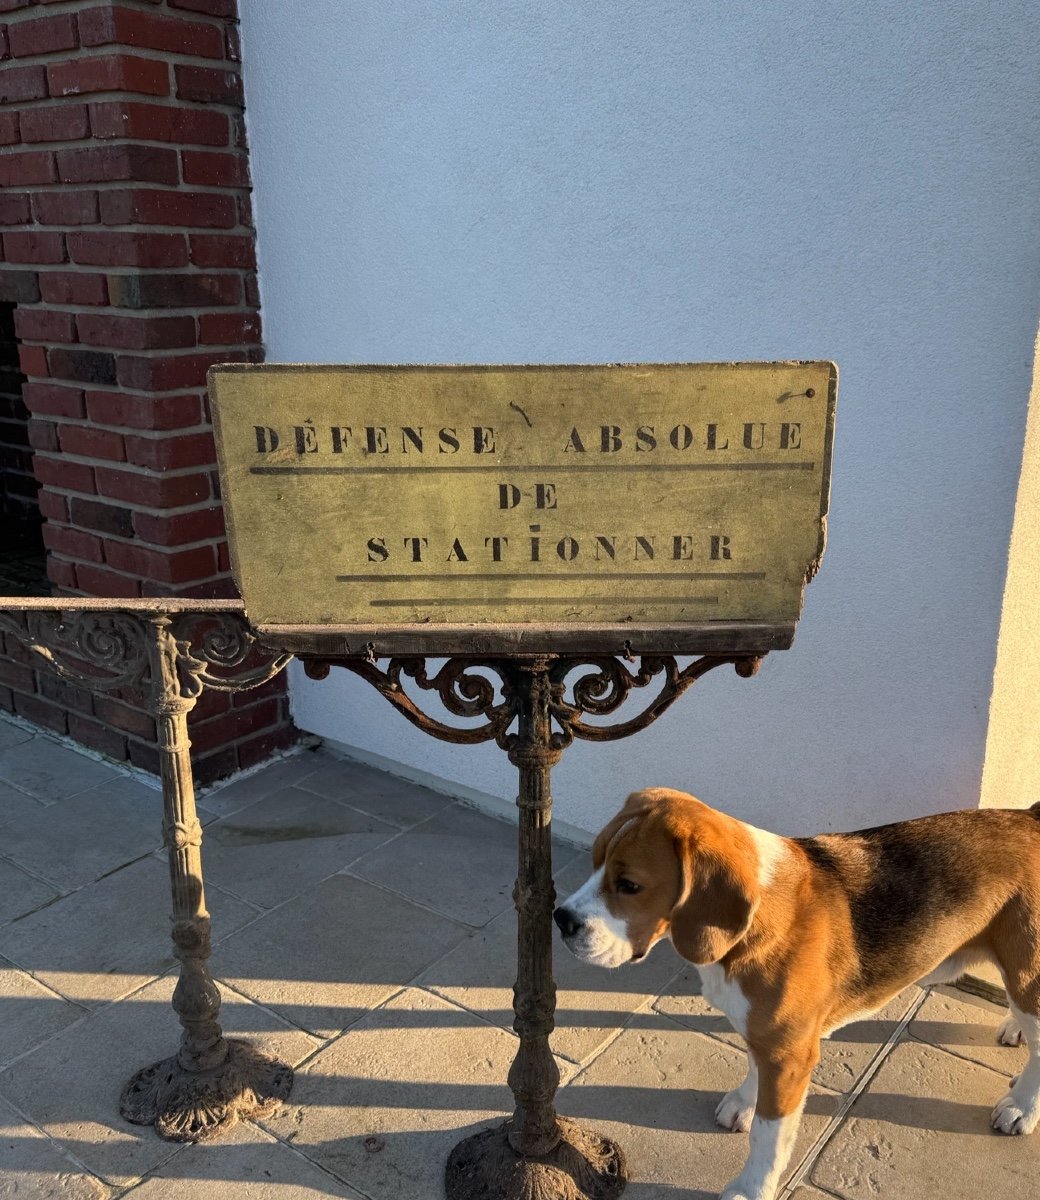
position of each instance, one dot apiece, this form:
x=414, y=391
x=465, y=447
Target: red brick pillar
x=128, y=248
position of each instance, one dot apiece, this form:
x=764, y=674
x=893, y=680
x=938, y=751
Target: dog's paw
x=734, y=1113
x=1009, y=1032
x=1015, y=1116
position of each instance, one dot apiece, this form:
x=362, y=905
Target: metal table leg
x=212, y=1081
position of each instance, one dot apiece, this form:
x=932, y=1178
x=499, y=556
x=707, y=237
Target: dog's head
x=665, y=866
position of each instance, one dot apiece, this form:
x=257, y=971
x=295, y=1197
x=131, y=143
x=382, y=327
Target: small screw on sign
x=374, y=1144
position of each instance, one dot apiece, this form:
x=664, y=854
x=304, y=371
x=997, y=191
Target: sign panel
x=664, y=495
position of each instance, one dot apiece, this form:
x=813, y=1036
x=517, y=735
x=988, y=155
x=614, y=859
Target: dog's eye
x=627, y=887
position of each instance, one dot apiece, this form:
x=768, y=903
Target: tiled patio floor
x=363, y=930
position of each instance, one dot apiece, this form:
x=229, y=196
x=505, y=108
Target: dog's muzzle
x=590, y=932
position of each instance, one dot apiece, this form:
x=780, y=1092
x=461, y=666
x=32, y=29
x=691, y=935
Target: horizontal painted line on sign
x=455, y=602
x=491, y=577
x=498, y=468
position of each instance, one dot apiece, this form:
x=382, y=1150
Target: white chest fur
x=725, y=995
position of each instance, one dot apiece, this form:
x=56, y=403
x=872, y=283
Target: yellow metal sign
x=552, y=495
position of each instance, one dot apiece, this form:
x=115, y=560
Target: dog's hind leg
x=1019, y=960
x=1019, y=1110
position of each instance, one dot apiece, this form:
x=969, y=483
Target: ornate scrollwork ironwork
x=111, y=650
x=603, y=685
x=212, y=645
x=71, y=642
x=462, y=690
x=607, y=684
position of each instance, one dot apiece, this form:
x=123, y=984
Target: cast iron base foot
x=196, y=1106
x=584, y=1166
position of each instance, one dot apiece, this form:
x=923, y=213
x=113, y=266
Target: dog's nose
x=568, y=923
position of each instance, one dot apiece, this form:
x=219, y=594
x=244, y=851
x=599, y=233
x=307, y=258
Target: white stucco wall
x=675, y=180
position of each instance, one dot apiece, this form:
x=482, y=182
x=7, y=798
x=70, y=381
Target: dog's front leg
x=772, y=1140
x=782, y=1084
x=737, y=1108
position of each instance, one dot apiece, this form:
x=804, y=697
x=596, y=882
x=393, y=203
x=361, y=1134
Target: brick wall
x=128, y=251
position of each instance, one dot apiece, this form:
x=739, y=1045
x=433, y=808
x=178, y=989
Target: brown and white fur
x=794, y=937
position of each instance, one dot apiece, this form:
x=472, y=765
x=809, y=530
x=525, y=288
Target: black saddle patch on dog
x=895, y=877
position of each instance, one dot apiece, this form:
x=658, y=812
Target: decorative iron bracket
x=111, y=649
x=170, y=651
x=534, y=706
x=464, y=689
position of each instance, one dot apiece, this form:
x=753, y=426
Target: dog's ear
x=633, y=806
x=717, y=901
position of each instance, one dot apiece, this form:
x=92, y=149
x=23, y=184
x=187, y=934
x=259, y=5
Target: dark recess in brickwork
x=19, y=507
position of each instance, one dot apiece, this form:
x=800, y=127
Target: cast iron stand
x=536, y=1154
x=171, y=651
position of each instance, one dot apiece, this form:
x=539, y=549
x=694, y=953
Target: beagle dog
x=795, y=937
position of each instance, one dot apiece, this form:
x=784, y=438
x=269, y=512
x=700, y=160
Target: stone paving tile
x=327, y=957
x=417, y=1074
x=591, y=1003
x=654, y=1091
x=112, y=936
x=241, y=793
x=460, y=863
x=844, y=1055
x=74, y=841
x=248, y=1164
x=29, y=1013
x=966, y=1025
x=287, y=842
x=14, y=805
x=21, y=893
x=419, y=1069
x=49, y=771
x=398, y=801
x=70, y=1086
x=12, y=735
x=921, y=1130
x=33, y=1168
